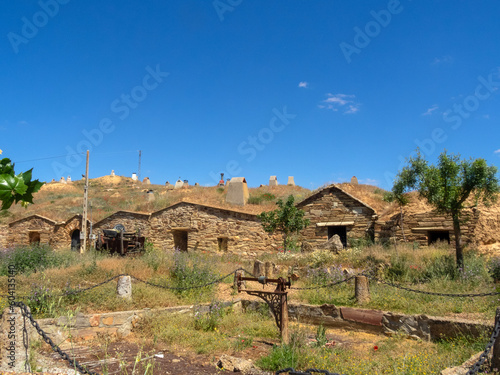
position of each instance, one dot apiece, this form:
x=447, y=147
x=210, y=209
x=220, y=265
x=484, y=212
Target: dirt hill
x=107, y=194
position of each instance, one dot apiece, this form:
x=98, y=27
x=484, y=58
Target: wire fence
x=74, y=364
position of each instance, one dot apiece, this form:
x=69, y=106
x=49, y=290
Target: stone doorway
x=341, y=230
x=34, y=238
x=75, y=240
x=434, y=236
x=180, y=240
x=222, y=243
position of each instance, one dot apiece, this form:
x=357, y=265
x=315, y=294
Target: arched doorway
x=34, y=238
x=75, y=240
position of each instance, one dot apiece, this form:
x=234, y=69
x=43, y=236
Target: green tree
x=449, y=185
x=401, y=199
x=286, y=219
x=15, y=188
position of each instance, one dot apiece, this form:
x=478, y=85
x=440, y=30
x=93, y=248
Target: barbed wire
x=73, y=362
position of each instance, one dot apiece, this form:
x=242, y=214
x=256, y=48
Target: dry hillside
x=107, y=194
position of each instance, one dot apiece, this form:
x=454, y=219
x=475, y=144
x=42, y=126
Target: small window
x=222, y=243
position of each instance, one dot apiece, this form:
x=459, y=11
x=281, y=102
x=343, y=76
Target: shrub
x=253, y=199
x=190, y=276
x=494, y=268
x=210, y=320
x=27, y=259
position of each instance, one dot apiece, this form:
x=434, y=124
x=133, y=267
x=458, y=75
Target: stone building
x=132, y=221
x=42, y=230
x=332, y=211
x=191, y=226
x=427, y=227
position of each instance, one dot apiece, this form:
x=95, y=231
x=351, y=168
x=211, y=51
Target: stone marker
x=62, y=180
x=291, y=181
x=196, y=184
x=112, y=173
x=228, y=181
x=334, y=244
x=273, y=181
x=146, y=181
x=354, y=180
x=361, y=290
x=258, y=268
x=134, y=176
x=124, y=287
x=185, y=184
x=68, y=179
x=53, y=180
x=237, y=191
x=178, y=184
x=169, y=186
x=269, y=269
x=12, y=350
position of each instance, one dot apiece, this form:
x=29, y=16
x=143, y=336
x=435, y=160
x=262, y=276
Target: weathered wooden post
x=258, y=268
x=14, y=350
x=124, y=287
x=361, y=290
x=495, y=361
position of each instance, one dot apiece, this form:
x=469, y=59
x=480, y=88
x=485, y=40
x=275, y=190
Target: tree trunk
x=458, y=241
x=284, y=242
x=402, y=229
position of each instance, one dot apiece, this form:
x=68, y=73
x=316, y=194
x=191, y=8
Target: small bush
x=210, y=320
x=253, y=199
x=27, y=259
x=188, y=276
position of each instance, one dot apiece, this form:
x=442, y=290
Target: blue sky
x=319, y=90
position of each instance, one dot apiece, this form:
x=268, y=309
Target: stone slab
x=371, y=317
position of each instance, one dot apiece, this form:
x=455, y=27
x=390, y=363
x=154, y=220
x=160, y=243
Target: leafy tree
x=449, y=185
x=15, y=188
x=286, y=219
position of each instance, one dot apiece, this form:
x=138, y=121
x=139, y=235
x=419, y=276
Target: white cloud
x=343, y=102
x=430, y=110
x=487, y=117
x=368, y=181
x=304, y=84
x=443, y=59
x=497, y=151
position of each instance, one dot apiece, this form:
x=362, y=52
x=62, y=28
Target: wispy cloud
x=343, y=102
x=23, y=123
x=304, y=84
x=497, y=151
x=430, y=110
x=368, y=181
x=443, y=60
x=487, y=117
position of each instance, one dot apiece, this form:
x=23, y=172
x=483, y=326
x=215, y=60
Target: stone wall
x=209, y=228
x=132, y=221
x=417, y=227
x=333, y=207
x=20, y=230
x=429, y=328
x=4, y=231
